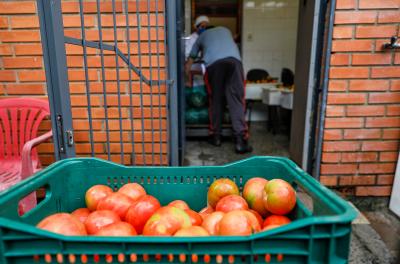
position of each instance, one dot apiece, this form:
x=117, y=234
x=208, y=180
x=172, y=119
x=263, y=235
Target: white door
x=395, y=199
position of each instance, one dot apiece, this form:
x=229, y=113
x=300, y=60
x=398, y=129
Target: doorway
x=274, y=35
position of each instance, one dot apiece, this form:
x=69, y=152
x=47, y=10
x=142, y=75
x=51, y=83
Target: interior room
x=266, y=34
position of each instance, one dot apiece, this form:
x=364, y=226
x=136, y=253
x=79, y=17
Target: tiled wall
x=269, y=35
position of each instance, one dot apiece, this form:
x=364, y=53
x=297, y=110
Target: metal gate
x=111, y=70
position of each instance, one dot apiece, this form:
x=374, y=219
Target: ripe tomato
x=219, y=189
x=141, y=211
x=253, y=193
x=94, y=194
x=133, y=190
x=194, y=217
x=230, y=203
x=116, y=202
x=179, y=204
x=99, y=219
x=117, y=229
x=211, y=222
x=81, y=214
x=191, y=232
x=279, y=197
x=64, y=224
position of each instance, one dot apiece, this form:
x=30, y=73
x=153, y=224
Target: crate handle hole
x=33, y=200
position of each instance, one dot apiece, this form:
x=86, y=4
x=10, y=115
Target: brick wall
x=22, y=74
x=362, y=129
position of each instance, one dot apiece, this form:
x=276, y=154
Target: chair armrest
x=27, y=166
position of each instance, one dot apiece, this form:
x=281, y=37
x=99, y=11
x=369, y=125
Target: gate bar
x=52, y=36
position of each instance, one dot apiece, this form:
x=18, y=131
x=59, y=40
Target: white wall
x=269, y=35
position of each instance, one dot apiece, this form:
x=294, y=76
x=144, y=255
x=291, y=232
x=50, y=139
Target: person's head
x=201, y=24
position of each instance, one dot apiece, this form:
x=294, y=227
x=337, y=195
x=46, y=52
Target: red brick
x=389, y=16
x=332, y=134
x=25, y=89
x=381, y=98
x=379, y=45
x=379, y=145
x=31, y=76
x=330, y=157
x=343, y=32
x=334, y=110
x=369, y=85
x=388, y=156
x=391, y=134
x=28, y=49
x=22, y=62
x=355, y=17
x=346, y=98
x=372, y=59
x=356, y=157
x=397, y=58
x=378, y=4
x=385, y=179
x=351, y=45
x=338, y=169
x=328, y=180
x=5, y=49
x=365, y=110
x=7, y=76
x=395, y=85
x=3, y=22
x=357, y=180
x=75, y=21
x=385, y=31
x=373, y=191
x=348, y=72
x=386, y=72
x=17, y=7
x=340, y=59
x=337, y=85
x=346, y=4
x=362, y=133
x=393, y=110
x=345, y=122
x=341, y=146
x=371, y=168
x=20, y=36
x=25, y=22
x=383, y=122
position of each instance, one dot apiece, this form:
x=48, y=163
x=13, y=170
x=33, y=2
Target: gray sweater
x=215, y=43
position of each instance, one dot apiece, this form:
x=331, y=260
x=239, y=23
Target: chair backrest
x=254, y=75
x=19, y=122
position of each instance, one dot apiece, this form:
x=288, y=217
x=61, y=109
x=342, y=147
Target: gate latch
x=70, y=138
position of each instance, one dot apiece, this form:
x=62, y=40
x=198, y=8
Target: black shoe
x=242, y=146
x=215, y=140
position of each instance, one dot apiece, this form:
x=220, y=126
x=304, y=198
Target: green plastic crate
x=321, y=233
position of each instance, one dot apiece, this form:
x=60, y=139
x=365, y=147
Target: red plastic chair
x=19, y=124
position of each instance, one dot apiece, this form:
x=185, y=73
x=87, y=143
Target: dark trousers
x=224, y=78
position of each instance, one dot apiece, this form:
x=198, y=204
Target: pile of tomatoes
x=131, y=211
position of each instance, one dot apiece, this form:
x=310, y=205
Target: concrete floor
x=375, y=233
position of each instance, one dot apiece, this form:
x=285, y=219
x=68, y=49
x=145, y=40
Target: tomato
x=141, y=211
x=194, y=217
x=279, y=197
x=219, y=189
x=96, y=193
x=238, y=223
x=258, y=216
x=81, y=214
x=206, y=211
x=64, y=224
x=211, y=222
x=276, y=220
x=99, y=219
x=253, y=193
x=166, y=221
x=191, y=231
x=179, y=204
x=116, y=202
x=133, y=190
x=230, y=203
x=117, y=229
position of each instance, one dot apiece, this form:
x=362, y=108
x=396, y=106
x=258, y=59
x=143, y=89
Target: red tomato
x=133, y=190
x=219, y=189
x=211, y=222
x=238, y=223
x=258, y=216
x=279, y=197
x=166, y=221
x=141, y=211
x=206, y=211
x=276, y=220
x=230, y=203
x=191, y=232
x=95, y=194
x=179, y=204
x=194, y=217
x=116, y=202
x=81, y=214
x=253, y=193
x=117, y=229
x=99, y=219
x=64, y=224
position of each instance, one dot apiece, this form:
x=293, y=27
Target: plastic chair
x=19, y=124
